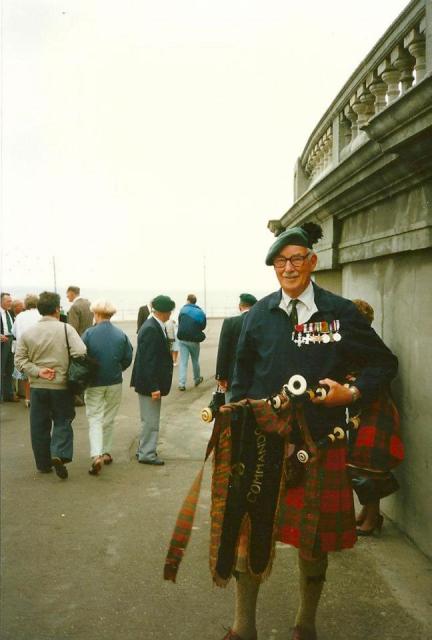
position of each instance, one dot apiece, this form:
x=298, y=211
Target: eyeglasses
x=297, y=261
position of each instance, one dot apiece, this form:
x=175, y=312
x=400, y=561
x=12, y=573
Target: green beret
x=163, y=303
x=304, y=236
x=248, y=299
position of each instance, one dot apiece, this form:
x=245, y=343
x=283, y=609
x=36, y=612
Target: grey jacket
x=44, y=345
x=80, y=316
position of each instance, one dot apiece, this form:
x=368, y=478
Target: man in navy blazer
x=152, y=376
x=304, y=330
x=228, y=339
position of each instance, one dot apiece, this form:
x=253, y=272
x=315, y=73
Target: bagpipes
x=250, y=445
x=294, y=394
x=208, y=414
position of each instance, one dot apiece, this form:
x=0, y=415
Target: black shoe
x=47, y=470
x=182, y=388
x=197, y=382
x=59, y=468
x=157, y=461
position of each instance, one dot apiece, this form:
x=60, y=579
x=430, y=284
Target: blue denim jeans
x=51, y=415
x=186, y=349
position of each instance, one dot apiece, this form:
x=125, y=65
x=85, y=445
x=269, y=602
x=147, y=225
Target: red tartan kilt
x=318, y=516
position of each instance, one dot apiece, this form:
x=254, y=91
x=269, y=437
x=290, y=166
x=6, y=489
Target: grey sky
x=140, y=135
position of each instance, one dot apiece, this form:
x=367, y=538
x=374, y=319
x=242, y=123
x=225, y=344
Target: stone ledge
x=410, y=240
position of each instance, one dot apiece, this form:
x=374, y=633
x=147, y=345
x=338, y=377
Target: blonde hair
x=103, y=307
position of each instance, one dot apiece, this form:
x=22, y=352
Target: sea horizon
x=216, y=303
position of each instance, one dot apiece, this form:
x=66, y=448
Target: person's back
x=45, y=346
x=192, y=321
x=42, y=354
x=111, y=347
x=143, y=314
x=79, y=315
x=24, y=321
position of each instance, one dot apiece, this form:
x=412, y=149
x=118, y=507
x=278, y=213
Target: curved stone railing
x=396, y=63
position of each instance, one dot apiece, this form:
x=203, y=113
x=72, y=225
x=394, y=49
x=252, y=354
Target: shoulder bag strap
x=67, y=341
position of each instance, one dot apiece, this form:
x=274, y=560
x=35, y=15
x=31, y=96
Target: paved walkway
x=83, y=558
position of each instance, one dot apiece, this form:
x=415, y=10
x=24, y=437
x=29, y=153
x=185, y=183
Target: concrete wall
x=330, y=280
x=399, y=287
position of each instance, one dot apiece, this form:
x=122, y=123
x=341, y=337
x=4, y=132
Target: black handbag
x=81, y=370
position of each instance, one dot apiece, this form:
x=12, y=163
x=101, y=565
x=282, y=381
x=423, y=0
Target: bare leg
x=361, y=517
x=372, y=516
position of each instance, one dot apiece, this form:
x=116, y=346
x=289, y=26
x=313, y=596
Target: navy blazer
x=228, y=339
x=153, y=365
x=267, y=356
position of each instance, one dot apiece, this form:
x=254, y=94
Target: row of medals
x=316, y=333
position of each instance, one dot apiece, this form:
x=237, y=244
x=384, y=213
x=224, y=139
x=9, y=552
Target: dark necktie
x=9, y=321
x=293, y=314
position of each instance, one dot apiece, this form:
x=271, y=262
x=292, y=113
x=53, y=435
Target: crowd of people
x=299, y=330
x=38, y=340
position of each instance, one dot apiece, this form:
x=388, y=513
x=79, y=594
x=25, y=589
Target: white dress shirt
x=24, y=321
x=306, y=306
x=6, y=331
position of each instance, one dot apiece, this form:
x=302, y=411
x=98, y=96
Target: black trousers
x=7, y=367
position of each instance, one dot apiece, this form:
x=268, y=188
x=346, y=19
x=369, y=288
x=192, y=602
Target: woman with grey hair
x=112, y=349
x=24, y=321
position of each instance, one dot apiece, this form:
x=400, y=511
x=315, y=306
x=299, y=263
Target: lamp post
x=54, y=273
x=205, y=283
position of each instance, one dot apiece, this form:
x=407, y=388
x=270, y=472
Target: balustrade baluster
x=378, y=88
x=404, y=62
x=345, y=131
x=416, y=44
x=352, y=117
x=391, y=76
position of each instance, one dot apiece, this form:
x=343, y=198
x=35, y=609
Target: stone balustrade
x=398, y=62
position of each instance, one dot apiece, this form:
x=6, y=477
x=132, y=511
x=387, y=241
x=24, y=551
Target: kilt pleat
x=318, y=515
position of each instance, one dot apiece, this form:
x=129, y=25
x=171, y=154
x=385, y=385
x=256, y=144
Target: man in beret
x=152, y=376
x=303, y=329
x=229, y=335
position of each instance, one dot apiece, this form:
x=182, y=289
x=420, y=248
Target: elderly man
x=303, y=329
x=228, y=339
x=7, y=357
x=112, y=350
x=80, y=317
x=152, y=377
x=42, y=355
x=24, y=321
x=79, y=314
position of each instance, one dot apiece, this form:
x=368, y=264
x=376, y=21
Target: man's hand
x=338, y=396
x=156, y=395
x=3, y=338
x=47, y=374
